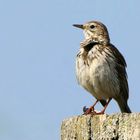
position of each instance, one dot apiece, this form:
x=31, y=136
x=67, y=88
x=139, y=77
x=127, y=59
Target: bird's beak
x=78, y=26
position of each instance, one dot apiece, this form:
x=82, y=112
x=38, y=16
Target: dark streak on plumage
x=89, y=46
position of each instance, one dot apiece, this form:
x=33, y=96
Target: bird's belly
x=104, y=79
x=98, y=78
x=82, y=74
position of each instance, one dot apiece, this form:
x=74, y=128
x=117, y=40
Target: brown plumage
x=101, y=68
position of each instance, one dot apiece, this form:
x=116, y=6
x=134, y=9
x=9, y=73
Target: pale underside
x=96, y=72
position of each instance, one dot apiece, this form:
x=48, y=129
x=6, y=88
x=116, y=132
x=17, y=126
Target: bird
x=101, y=68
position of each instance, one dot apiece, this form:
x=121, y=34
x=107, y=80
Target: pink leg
x=102, y=112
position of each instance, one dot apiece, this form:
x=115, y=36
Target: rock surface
x=102, y=127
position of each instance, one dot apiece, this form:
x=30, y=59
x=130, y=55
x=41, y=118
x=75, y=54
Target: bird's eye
x=92, y=26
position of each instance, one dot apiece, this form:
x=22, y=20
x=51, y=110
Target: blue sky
x=38, y=44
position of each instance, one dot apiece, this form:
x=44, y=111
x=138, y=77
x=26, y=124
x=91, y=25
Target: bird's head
x=96, y=31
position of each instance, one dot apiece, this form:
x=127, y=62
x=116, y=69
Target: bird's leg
x=91, y=109
x=102, y=112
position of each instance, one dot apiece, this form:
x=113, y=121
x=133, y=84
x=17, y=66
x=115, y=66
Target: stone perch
x=102, y=127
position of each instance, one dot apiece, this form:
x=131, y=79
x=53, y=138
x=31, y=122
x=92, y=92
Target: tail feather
x=124, y=107
x=103, y=102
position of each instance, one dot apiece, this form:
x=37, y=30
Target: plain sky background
x=38, y=44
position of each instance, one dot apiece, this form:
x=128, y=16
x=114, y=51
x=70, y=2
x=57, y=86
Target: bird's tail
x=124, y=106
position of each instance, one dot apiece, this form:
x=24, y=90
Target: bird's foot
x=92, y=111
x=88, y=110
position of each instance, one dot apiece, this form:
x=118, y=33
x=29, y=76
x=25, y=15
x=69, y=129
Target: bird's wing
x=121, y=72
